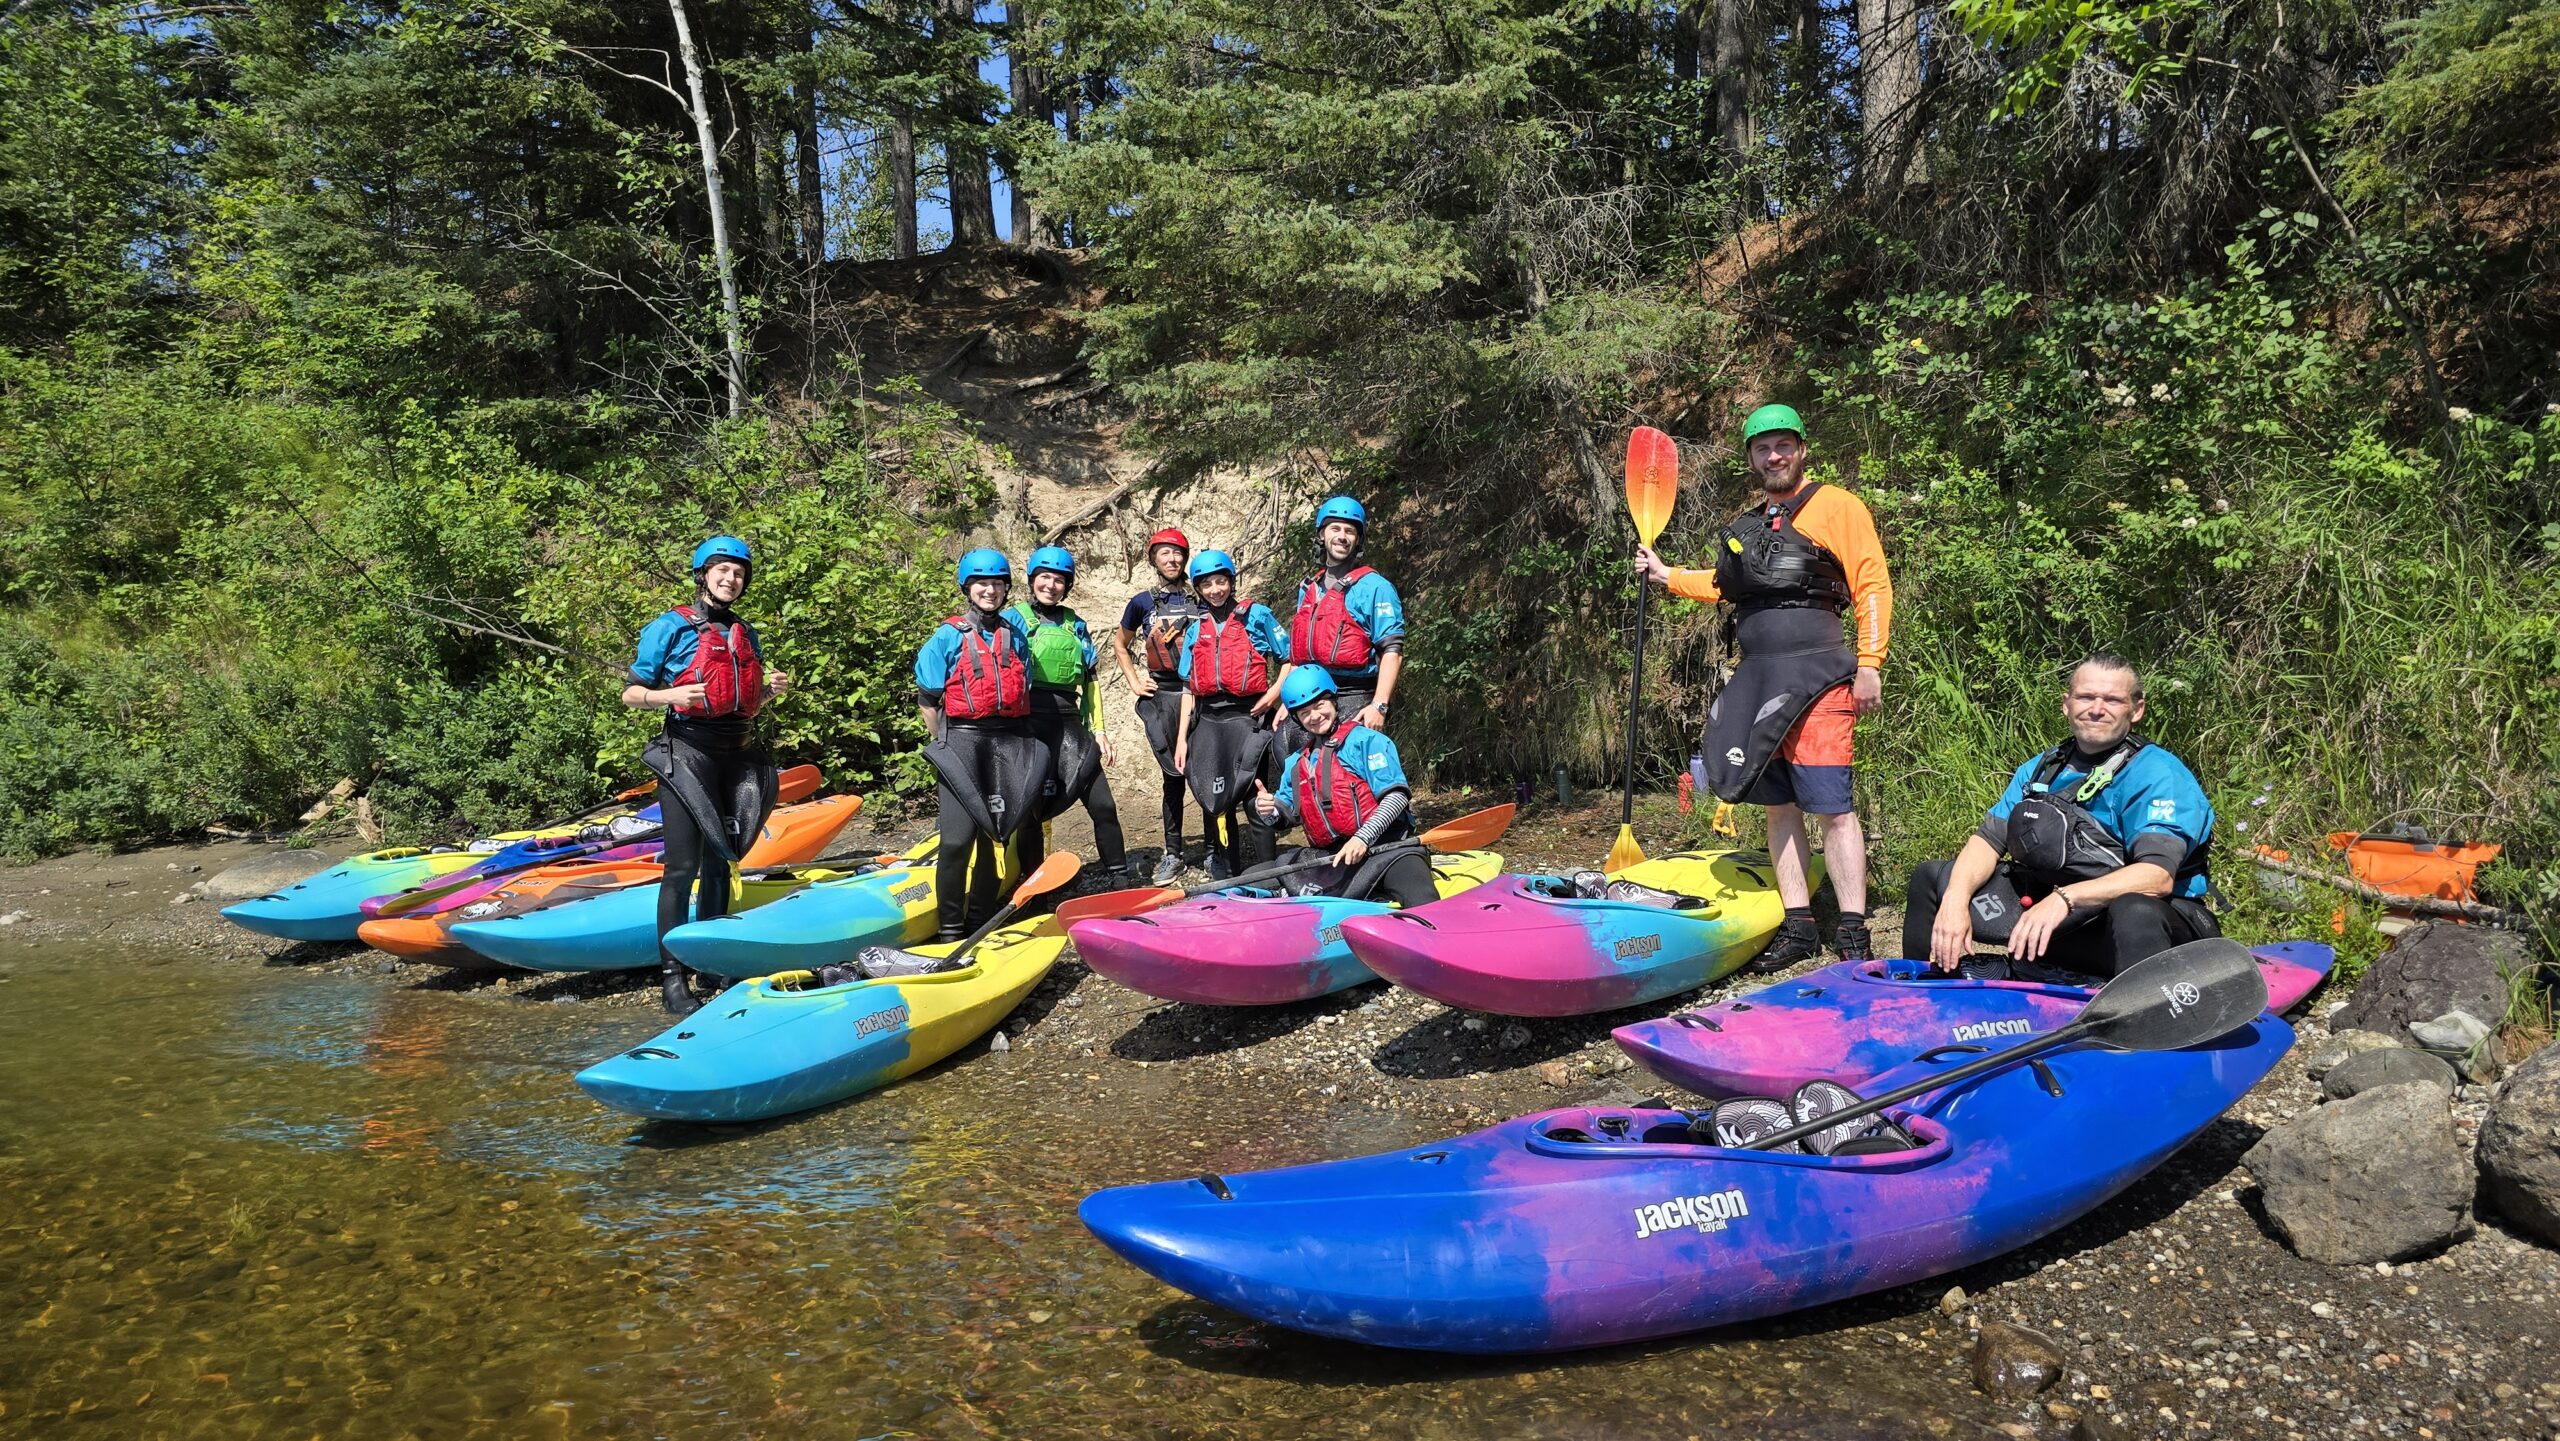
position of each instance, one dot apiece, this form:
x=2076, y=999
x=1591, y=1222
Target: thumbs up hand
x=1265, y=804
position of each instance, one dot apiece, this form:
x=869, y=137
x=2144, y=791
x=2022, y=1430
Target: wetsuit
x=2147, y=808
x=1229, y=656
x=992, y=769
x=718, y=785
x=1348, y=619
x=1780, y=730
x=1159, y=619
x=1066, y=713
x=1351, y=784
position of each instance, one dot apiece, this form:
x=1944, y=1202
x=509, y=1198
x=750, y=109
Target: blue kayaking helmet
x=1342, y=507
x=1050, y=557
x=722, y=547
x=1304, y=685
x=984, y=564
x=1211, y=562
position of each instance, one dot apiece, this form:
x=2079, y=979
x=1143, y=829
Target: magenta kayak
x=1250, y=948
x=1535, y=946
x=1852, y=1023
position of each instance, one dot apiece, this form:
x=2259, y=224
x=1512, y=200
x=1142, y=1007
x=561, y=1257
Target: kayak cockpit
x=1599, y=1135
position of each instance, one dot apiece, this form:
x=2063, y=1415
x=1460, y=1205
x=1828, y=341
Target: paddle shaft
x=1635, y=695
x=1290, y=868
x=1975, y=1067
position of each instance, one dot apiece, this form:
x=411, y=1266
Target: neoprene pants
x=2094, y=942
x=966, y=889
x=695, y=870
x=1110, y=846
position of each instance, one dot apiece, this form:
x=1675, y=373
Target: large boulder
x=2392, y=1066
x=2377, y=1177
x=2435, y=967
x=2520, y=1147
x=263, y=874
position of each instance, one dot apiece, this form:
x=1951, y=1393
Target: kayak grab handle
x=1215, y=1185
x=1939, y=1053
x=652, y=1053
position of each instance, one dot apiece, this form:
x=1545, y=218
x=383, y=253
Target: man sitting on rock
x=2093, y=858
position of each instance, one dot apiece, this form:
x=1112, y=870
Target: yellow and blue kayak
x=786, y=1043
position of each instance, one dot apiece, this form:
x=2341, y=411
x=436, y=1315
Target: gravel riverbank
x=2175, y=1311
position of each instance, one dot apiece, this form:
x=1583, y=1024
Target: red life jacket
x=1323, y=631
x=726, y=665
x=1223, y=658
x=1334, y=801
x=987, y=677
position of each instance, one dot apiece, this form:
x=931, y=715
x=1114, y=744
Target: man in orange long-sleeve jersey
x=1779, y=733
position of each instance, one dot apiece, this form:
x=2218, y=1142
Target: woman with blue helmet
x=1066, y=708
x=1347, y=786
x=1230, y=664
x=973, y=684
x=705, y=668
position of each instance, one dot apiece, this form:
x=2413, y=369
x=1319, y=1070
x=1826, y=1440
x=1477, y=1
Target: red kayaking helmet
x=1169, y=536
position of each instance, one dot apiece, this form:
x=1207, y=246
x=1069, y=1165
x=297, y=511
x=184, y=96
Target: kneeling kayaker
x=974, y=688
x=1347, y=787
x=705, y=667
x=2094, y=858
x=1066, y=709
x=1230, y=657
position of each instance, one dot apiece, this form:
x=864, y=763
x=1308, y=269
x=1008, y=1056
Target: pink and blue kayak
x=1849, y=1023
x=1532, y=946
x=1588, y=1227
x=1249, y=947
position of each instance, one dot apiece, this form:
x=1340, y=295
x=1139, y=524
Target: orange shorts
x=1812, y=767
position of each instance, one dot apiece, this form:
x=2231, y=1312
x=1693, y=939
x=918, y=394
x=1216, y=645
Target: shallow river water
x=241, y=1200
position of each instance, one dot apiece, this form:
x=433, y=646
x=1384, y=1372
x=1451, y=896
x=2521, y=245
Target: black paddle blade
x=2184, y=996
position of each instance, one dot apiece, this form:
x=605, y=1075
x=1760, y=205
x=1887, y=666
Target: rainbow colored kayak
x=1530, y=946
x=824, y=923
x=1850, y=1023
x=1588, y=1227
x=785, y=1043
x=1250, y=947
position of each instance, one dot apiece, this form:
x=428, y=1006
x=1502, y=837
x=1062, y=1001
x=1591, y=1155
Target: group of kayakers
x=2094, y=856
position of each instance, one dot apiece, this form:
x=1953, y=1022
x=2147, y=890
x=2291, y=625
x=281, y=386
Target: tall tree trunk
x=964, y=145
x=1031, y=229
x=901, y=135
x=1889, y=93
x=732, y=314
x=812, y=176
x=773, y=218
x=1684, y=45
x=1734, y=74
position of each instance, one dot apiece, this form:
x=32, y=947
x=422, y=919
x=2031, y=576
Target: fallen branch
x=1099, y=508
x=1043, y=382
x=1069, y=397
x=960, y=352
x=2423, y=905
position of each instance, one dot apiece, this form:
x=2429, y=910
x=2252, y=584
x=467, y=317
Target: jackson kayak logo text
x=909, y=895
x=1635, y=948
x=879, y=1021
x=1985, y=1030
x=1707, y=1213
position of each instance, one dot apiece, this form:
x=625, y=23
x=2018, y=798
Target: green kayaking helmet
x=1772, y=417
x=984, y=564
x=1050, y=557
x=1306, y=685
x=722, y=547
x=1212, y=562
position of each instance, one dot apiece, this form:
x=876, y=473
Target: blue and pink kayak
x=1250, y=947
x=1588, y=1227
x=1849, y=1023
x=1530, y=946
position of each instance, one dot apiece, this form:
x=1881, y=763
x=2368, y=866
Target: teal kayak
x=822, y=924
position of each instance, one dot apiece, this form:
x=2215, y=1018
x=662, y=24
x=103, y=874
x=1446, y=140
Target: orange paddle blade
x=1625, y=853
x=1653, y=480
x=1059, y=868
x=1473, y=831
x=1116, y=905
x=636, y=792
x=796, y=785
